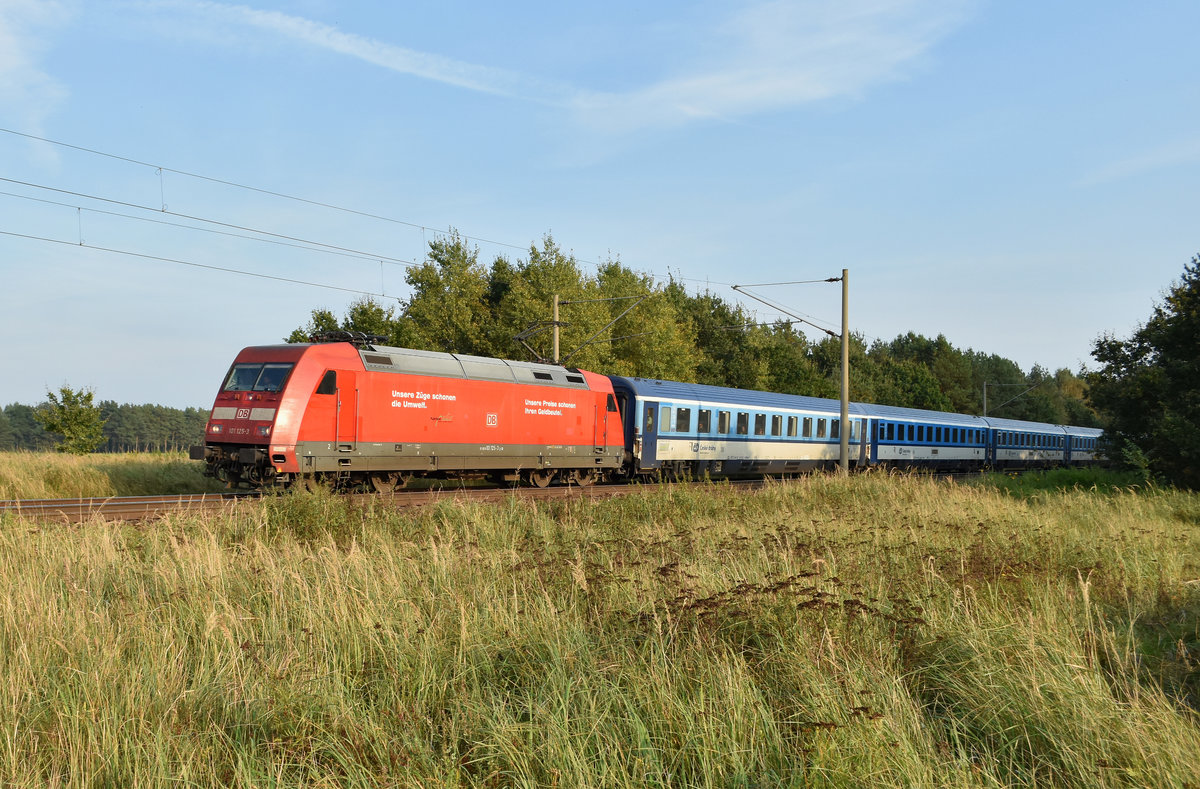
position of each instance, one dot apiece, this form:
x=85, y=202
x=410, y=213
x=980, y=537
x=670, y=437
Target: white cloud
x=781, y=54
x=771, y=55
x=28, y=95
x=484, y=79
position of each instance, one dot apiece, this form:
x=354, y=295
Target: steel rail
x=140, y=508
x=122, y=508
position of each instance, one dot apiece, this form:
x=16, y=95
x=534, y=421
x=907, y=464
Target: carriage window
x=821, y=428
x=760, y=424
x=808, y=427
x=891, y=431
x=793, y=426
x=683, y=420
x=743, y=423
x=723, y=422
x=704, y=421
x=910, y=433
x=920, y=433
x=835, y=428
x=938, y=434
x=776, y=425
x=666, y=418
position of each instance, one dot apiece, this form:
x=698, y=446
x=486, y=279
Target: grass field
x=49, y=475
x=871, y=631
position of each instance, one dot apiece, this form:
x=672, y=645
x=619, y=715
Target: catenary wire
x=303, y=200
x=256, y=238
x=313, y=244
x=160, y=258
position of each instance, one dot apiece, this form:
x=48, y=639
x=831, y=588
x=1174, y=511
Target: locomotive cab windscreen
x=258, y=377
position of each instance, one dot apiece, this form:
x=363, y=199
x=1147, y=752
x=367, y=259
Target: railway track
x=120, y=508
x=141, y=508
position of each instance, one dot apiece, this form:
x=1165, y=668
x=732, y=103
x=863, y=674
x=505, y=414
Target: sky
x=183, y=178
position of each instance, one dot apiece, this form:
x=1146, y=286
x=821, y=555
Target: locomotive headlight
x=264, y=430
x=215, y=429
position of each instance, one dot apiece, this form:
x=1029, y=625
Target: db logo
x=243, y=413
x=492, y=420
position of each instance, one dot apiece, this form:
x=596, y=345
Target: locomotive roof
x=384, y=358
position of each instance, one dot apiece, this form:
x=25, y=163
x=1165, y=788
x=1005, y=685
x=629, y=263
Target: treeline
x=460, y=305
x=127, y=428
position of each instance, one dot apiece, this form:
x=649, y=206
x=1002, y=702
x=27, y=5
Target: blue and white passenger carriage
x=715, y=430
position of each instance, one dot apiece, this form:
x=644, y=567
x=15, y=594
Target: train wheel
x=584, y=478
x=388, y=482
x=541, y=479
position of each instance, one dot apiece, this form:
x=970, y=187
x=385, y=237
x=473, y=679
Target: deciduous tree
x=72, y=415
x=1149, y=385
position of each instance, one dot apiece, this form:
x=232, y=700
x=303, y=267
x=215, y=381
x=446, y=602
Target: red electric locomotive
x=354, y=413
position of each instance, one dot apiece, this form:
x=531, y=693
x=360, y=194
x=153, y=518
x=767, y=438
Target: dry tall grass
x=50, y=475
x=827, y=632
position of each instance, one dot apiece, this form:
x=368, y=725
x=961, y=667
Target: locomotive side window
x=328, y=383
x=257, y=377
x=612, y=404
x=683, y=420
x=704, y=421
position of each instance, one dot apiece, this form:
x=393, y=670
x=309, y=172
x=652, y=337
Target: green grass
x=869, y=631
x=50, y=475
x=1033, y=483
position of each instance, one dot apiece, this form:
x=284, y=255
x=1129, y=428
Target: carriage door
x=347, y=411
x=650, y=435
